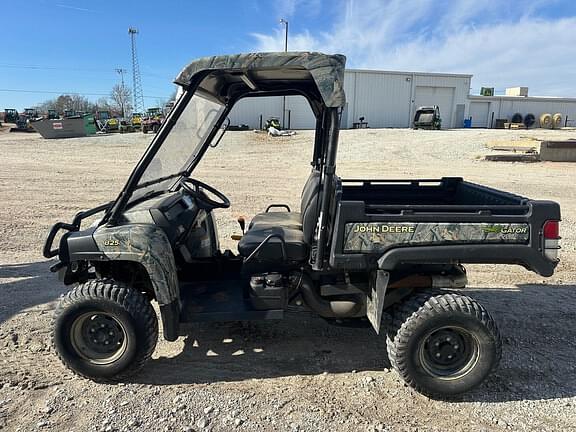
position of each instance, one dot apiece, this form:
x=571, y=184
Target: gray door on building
x=479, y=111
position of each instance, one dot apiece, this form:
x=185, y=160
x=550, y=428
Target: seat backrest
x=309, y=205
x=310, y=188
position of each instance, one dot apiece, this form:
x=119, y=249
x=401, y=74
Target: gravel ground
x=299, y=374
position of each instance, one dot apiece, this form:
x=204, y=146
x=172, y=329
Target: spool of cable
x=546, y=121
x=529, y=120
x=557, y=120
x=517, y=118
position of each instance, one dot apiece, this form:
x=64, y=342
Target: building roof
x=389, y=72
x=522, y=98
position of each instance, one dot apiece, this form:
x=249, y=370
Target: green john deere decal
x=376, y=237
x=506, y=229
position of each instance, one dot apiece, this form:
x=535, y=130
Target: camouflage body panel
x=378, y=237
x=326, y=70
x=147, y=245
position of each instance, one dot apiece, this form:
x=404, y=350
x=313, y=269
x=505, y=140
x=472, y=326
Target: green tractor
x=11, y=115
x=31, y=113
x=53, y=114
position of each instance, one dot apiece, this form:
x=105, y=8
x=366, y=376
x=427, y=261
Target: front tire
x=104, y=330
x=442, y=343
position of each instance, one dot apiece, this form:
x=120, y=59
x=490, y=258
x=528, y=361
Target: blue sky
x=75, y=46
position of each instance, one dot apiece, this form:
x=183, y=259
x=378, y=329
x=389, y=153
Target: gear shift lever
x=242, y=223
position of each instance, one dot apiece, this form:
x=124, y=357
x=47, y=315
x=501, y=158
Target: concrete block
x=558, y=151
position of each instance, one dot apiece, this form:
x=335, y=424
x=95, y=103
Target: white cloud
x=275, y=42
x=461, y=36
x=287, y=8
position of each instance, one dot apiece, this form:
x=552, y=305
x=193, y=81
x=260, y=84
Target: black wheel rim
x=98, y=337
x=449, y=352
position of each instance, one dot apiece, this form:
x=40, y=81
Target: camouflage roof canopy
x=326, y=70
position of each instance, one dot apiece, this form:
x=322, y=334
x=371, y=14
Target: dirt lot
x=298, y=374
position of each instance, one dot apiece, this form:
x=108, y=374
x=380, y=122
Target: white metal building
x=383, y=98
x=484, y=110
x=389, y=99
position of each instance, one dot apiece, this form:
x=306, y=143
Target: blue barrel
x=468, y=122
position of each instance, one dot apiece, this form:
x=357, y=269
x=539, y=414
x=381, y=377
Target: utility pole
x=136, y=80
x=122, y=72
x=283, y=21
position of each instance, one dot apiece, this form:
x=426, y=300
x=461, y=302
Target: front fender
x=147, y=245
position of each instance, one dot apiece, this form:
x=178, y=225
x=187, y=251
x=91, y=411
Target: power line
x=70, y=69
x=66, y=93
x=121, y=72
x=39, y=67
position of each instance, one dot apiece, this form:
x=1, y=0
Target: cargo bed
x=437, y=221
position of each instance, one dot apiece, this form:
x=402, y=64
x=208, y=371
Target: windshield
x=181, y=145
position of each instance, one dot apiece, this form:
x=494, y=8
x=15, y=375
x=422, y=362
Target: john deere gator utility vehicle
x=427, y=118
x=356, y=249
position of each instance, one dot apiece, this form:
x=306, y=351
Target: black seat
x=290, y=219
x=277, y=218
x=296, y=248
x=297, y=241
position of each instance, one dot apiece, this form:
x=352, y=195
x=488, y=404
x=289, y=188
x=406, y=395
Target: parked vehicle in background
x=125, y=126
x=136, y=120
x=428, y=118
x=168, y=107
x=53, y=114
x=31, y=113
x=152, y=120
x=11, y=115
x=106, y=122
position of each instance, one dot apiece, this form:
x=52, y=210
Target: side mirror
x=223, y=129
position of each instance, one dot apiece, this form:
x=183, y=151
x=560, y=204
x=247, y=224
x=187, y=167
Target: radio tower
x=136, y=80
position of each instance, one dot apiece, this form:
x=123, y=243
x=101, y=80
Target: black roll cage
x=324, y=155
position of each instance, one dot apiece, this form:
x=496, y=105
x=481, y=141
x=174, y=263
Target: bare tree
x=121, y=97
x=81, y=103
x=103, y=104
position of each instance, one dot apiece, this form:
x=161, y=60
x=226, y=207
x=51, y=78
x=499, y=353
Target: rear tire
x=104, y=330
x=443, y=343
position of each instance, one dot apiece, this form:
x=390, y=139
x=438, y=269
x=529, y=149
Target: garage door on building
x=479, y=111
x=441, y=96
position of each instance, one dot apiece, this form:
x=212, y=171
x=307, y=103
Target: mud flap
x=375, y=300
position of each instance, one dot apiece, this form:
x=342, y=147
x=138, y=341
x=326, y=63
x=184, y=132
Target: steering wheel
x=194, y=188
